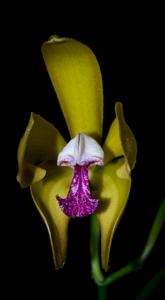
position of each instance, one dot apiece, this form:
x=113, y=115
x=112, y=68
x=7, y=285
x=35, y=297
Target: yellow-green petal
x=120, y=139
x=44, y=192
x=76, y=78
x=40, y=142
x=112, y=184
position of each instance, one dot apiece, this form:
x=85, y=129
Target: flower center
x=80, y=153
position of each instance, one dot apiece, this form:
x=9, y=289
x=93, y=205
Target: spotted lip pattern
x=79, y=201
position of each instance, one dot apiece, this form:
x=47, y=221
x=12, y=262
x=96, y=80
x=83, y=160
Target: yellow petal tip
x=56, y=39
x=41, y=142
x=120, y=140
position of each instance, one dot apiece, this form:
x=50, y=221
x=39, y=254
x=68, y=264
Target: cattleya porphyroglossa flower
x=59, y=193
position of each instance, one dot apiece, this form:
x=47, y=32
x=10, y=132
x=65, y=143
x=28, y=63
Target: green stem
x=102, y=292
x=154, y=232
x=97, y=274
x=151, y=285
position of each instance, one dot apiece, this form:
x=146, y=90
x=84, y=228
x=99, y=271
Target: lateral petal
x=120, y=140
x=40, y=142
x=57, y=180
x=112, y=186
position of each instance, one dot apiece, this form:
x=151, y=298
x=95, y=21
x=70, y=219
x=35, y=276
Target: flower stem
x=154, y=232
x=102, y=292
x=102, y=280
x=153, y=283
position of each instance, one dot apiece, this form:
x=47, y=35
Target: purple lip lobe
x=79, y=202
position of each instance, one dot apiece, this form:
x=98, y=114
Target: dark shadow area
x=130, y=52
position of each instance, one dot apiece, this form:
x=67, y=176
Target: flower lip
x=80, y=153
x=81, y=150
x=79, y=201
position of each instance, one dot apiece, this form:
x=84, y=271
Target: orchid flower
x=61, y=175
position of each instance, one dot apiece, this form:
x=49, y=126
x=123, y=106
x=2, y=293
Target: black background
x=129, y=48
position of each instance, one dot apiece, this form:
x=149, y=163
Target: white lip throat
x=81, y=150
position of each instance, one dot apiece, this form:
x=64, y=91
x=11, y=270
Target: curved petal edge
x=41, y=142
x=120, y=140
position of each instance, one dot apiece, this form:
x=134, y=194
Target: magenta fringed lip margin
x=79, y=201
